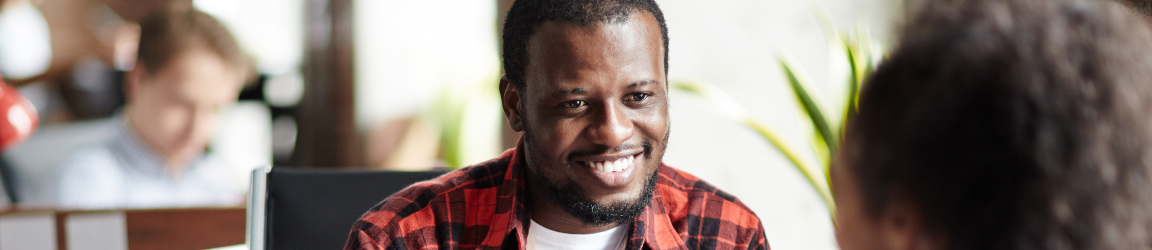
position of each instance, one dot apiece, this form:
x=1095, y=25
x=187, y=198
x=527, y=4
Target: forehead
x=200, y=75
x=560, y=52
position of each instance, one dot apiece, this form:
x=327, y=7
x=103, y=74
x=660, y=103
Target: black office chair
x=291, y=208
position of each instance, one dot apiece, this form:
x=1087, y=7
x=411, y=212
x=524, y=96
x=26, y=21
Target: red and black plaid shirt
x=483, y=207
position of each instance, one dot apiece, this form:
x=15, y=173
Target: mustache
x=647, y=147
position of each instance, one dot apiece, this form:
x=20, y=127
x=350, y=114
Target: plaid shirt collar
x=648, y=229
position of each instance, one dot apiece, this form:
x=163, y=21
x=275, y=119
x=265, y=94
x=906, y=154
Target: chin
x=612, y=208
x=186, y=155
x=627, y=195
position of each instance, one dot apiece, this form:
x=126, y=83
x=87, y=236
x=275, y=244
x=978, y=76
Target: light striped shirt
x=125, y=173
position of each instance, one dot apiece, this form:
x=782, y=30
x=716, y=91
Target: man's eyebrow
x=642, y=83
x=573, y=91
x=577, y=91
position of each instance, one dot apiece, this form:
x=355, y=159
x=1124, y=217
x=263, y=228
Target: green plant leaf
x=853, y=81
x=733, y=112
x=819, y=122
x=726, y=104
x=861, y=53
x=789, y=152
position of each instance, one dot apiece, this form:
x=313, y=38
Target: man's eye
x=637, y=97
x=575, y=104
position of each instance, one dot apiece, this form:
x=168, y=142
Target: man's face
x=595, y=115
x=175, y=108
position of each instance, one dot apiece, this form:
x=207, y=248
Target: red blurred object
x=18, y=118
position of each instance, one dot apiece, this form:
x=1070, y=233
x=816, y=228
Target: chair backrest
x=292, y=208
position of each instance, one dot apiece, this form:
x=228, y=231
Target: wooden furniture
x=186, y=228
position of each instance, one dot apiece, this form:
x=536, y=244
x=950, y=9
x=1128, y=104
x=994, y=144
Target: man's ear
x=510, y=98
x=903, y=228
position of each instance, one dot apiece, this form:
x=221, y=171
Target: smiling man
x=587, y=83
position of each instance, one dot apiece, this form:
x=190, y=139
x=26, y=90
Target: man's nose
x=612, y=128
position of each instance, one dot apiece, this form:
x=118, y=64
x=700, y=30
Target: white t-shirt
x=540, y=237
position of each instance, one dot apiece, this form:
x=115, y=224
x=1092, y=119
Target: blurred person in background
x=1004, y=124
x=188, y=68
x=587, y=83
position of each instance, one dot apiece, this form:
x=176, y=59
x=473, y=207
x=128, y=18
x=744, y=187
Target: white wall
x=407, y=51
x=271, y=31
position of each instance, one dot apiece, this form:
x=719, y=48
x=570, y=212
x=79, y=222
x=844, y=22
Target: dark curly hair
x=1141, y=6
x=526, y=15
x=1013, y=124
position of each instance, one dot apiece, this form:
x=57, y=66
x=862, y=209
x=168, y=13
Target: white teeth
x=625, y=163
x=613, y=166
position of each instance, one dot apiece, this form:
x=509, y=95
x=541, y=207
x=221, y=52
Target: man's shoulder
x=416, y=211
x=685, y=195
x=685, y=187
x=703, y=213
x=89, y=160
x=90, y=177
x=416, y=200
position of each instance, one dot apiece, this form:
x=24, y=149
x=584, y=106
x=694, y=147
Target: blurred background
x=410, y=85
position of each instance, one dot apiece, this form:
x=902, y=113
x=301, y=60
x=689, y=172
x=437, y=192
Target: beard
x=568, y=196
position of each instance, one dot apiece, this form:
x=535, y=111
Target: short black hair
x=527, y=15
x=1012, y=124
